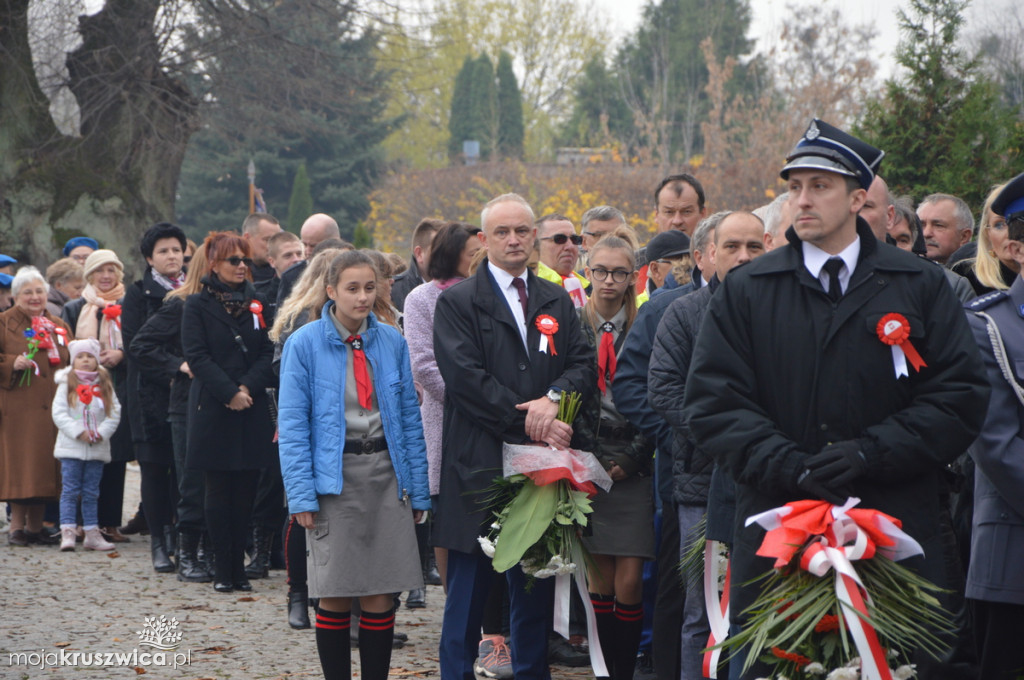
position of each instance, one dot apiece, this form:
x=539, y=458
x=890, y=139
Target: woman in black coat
x=163, y=247
x=230, y=430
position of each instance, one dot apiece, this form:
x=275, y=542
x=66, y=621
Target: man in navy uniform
x=794, y=392
x=995, y=585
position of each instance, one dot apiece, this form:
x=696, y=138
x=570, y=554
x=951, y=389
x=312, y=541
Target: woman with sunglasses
x=623, y=519
x=230, y=432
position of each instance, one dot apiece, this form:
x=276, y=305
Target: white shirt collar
x=503, y=278
x=815, y=258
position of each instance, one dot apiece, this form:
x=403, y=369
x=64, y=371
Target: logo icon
x=160, y=633
x=812, y=132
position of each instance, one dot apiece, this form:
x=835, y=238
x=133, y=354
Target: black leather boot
x=171, y=540
x=262, y=543
x=204, y=554
x=298, y=610
x=158, y=548
x=189, y=568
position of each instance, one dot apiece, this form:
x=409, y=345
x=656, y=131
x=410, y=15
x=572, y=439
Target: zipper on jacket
x=405, y=496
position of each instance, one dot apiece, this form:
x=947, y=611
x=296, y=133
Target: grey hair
x=505, y=198
x=962, y=211
x=705, y=231
x=904, y=212
x=771, y=214
x=27, y=275
x=602, y=213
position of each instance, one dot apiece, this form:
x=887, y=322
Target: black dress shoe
x=243, y=585
x=298, y=610
x=417, y=599
x=41, y=538
x=223, y=587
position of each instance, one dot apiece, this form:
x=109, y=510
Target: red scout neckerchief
x=606, y=360
x=257, y=315
x=364, y=387
x=548, y=327
x=894, y=330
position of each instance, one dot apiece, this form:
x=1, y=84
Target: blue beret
x=825, y=147
x=80, y=241
x=6, y=260
x=1010, y=201
x=5, y=280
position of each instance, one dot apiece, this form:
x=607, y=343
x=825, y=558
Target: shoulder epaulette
x=987, y=300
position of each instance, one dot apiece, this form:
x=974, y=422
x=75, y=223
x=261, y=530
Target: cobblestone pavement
x=83, y=601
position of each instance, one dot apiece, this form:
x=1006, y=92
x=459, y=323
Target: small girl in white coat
x=86, y=413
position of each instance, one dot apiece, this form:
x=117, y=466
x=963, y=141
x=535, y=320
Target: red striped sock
x=629, y=620
x=332, y=644
x=376, y=634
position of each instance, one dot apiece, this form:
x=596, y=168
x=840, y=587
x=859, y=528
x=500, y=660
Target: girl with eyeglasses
x=230, y=430
x=623, y=519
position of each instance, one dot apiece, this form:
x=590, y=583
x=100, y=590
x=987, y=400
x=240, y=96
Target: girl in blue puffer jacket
x=354, y=465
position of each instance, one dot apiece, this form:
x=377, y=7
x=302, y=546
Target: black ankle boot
x=158, y=548
x=171, y=540
x=298, y=610
x=262, y=543
x=189, y=568
x=205, y=554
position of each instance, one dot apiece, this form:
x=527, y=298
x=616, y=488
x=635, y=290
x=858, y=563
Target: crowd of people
x=341, y=413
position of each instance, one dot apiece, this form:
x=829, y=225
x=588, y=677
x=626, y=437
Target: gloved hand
x=806, y=482
x=838, y=464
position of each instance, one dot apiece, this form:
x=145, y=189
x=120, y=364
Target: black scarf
x=235, y=300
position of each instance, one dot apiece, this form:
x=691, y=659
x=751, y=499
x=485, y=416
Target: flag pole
x=252, y=186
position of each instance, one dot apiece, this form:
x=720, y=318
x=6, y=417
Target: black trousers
x=229, y=498
x=269, y=510
x=111, y=494
x=999, y=631
x=191, y=483
x=159, y=495
x=668, y=608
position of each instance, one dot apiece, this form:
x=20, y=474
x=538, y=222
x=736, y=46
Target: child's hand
x=84, y=437
x=97, y=438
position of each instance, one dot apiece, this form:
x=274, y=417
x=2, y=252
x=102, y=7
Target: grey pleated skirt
x=363, y=541
x=623, y=520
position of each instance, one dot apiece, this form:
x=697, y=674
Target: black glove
x=807, y=483
x=837, y=465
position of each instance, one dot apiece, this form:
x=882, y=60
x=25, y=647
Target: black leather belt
x=365, y=445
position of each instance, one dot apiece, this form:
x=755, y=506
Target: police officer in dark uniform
x=995, y=581
x=793, y=389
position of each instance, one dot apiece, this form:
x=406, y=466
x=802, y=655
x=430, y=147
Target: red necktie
x=363, y=385
x=606, y=356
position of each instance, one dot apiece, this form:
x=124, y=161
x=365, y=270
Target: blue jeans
x=80, y=478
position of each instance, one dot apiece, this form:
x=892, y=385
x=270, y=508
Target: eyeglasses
x=560, y=239
x=234, y=261
x=601, y=274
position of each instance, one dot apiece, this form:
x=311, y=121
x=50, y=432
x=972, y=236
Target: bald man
x=317, y=228
x=877, y=211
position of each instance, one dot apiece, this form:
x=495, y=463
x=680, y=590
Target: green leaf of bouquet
x=529, y=516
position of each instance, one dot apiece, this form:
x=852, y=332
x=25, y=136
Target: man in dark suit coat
x=501, y=387
x=994, y=583
x=793, y=391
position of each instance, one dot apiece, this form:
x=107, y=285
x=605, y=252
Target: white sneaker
x=94, y=540
x=67, y=539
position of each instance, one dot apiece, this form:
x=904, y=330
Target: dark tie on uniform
x=520, y=287
x=835, y=290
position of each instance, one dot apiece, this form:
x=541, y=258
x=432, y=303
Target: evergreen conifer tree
x=510, y=110
x=300, y=205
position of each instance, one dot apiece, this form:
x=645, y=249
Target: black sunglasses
x=234, y=261
x=560, y=239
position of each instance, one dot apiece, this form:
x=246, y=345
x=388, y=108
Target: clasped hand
x=829, y=473
x=542, y=424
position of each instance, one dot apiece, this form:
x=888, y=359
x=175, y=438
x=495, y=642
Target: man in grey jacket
x=737, y=239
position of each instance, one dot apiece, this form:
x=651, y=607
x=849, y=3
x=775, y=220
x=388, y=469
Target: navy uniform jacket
x=997, y=541
x=487, y=371
x=779, y=371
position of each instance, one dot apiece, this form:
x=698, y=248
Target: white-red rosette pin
x=894, y=330
x=548, y=326
x=257, y=315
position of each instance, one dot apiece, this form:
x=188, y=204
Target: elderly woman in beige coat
x=29, y=474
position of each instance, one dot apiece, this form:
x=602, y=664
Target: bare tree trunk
x=120, y=175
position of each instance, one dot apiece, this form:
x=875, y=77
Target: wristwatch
x=554, y=395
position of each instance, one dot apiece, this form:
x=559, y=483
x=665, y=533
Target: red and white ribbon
x=575, y=290
x=548, y=326
x=563, y=593
x=844, y=535
x=718, y=610
x=257, y=315
x=894, y=330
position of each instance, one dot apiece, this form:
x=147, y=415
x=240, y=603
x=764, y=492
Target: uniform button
x=1004, y=515
x=522, y=367
x=823, y=427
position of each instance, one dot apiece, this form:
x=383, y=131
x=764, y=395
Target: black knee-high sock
x=376, y=633
x=604, y=613
x=629, y=619
x=332, y=643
